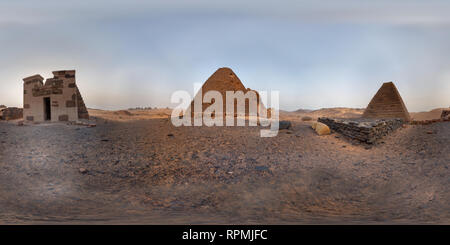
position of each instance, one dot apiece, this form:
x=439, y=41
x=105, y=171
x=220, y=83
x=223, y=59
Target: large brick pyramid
x=224, y=79
x=387, y=103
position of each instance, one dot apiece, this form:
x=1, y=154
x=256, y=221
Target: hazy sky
x=316, y=53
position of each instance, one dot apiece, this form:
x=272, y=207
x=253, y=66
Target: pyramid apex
x=224, y=68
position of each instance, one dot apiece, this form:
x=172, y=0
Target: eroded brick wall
x=365, y=130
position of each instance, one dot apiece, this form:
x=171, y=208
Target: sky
x=317, y=54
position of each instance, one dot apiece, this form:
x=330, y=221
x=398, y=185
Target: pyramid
x=223, y=80
x=387, y=103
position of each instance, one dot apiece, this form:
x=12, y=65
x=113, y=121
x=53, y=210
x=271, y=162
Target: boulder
x=321, y=129
x=306, y=118
x=445, y=116
x=284, y=125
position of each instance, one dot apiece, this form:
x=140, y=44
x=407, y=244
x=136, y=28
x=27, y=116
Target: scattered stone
x=261, y=168
x=284, y=125
x=170, y=135
x=445, y=116
x=429, y=132
x=20, y=123
x=105, y=140
x=321, y=129
x=83, y=171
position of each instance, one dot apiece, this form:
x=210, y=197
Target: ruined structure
x=223, y=80
x=58, y=99
x=445, y=116
x=366, y=130
x=10, y=113
x=387, y=103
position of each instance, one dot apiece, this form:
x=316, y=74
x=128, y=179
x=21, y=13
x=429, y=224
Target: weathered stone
x=284, y=125
x=262, y=168
x=63, y=118
x=445, y=115
x=321, y=128
x=362, y=129
x=57, y=91
x=11, y=113
x=70, y=103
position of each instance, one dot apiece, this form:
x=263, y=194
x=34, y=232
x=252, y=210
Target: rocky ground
x=149, y=172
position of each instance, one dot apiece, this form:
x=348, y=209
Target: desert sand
x=135, y=167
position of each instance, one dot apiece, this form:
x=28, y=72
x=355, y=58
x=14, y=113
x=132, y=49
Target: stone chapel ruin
x=58, y=99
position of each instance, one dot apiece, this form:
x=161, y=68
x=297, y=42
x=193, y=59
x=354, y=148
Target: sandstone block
x=322, y=129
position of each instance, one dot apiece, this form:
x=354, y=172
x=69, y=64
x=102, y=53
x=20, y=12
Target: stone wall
x=82, y=110
x=363, y=129
x=11, y=113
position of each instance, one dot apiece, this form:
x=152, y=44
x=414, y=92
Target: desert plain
x=135, y=167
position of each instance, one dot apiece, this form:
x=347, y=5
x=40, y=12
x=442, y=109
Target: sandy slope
x=427, y=115
x=147, y=171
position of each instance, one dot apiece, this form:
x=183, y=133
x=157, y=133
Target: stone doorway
x=47, y=109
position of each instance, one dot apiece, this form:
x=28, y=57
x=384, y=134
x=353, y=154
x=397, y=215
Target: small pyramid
x=223, y=80
x=387, y=103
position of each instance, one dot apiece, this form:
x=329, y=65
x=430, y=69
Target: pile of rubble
x=10, y=113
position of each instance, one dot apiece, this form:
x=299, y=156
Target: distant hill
x=303, y=111
x=427, y=115
x=337, y=112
